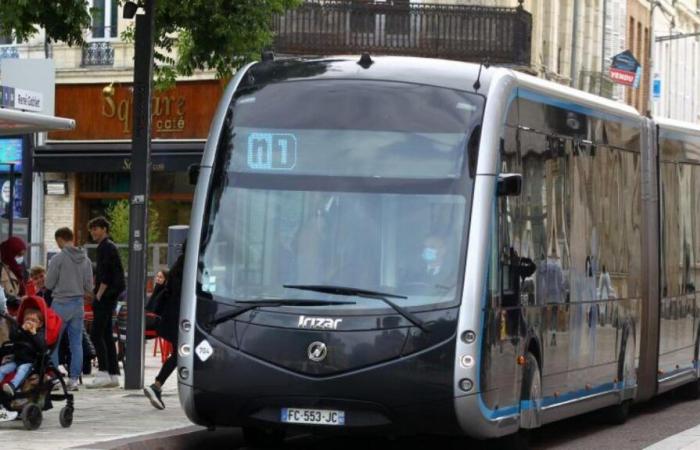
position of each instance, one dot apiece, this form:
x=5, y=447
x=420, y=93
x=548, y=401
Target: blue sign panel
x=272, y=151
x=10, y=153
x=656, y=88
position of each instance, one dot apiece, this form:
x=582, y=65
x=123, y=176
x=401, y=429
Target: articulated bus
x=414, y=245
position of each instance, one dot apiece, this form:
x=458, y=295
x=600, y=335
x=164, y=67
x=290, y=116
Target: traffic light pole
x=138, y=198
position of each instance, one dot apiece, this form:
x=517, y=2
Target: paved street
x=136, y=426
x=650, y=423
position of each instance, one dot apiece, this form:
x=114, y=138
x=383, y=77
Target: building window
x=6, y=39
x=104, y=19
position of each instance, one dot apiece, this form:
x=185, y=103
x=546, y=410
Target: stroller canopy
x=52, y=321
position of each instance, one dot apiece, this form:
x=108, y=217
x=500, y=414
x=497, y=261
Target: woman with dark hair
x=169, y=311
x=12, y=255
x=159, y=284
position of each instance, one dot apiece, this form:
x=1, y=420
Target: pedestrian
x=109, y=285
x=159, y=284
x=69, y=279
x=4, y=325
x=28, y=345
x=37, y=275
x=169, y=312
x=12, y=256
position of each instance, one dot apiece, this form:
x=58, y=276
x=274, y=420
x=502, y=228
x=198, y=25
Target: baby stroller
x=34, y=395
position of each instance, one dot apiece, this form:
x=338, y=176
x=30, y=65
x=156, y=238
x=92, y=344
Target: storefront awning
x=14, y=122
x=95, y=156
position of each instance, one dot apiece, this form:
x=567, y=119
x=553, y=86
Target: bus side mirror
x=193, y=173
x=509, y=184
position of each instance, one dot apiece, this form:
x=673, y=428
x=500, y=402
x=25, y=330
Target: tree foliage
x=118, y=216
x=190, y=35
x=216, y=34
x=63, y=20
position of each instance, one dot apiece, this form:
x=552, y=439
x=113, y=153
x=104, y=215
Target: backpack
x=8, y=281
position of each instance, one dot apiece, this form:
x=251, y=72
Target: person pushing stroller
x=27, y=341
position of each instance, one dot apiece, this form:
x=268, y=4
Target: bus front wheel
x=531, y=395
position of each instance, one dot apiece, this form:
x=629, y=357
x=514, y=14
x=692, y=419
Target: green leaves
x=118, y=216
x=64, y=20
x=191, y=35
x=213, y=34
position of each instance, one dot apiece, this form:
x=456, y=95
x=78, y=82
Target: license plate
x=313, y=416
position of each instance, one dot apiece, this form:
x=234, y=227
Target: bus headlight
x=466, y=361
x=466, y=384
x=468, y=337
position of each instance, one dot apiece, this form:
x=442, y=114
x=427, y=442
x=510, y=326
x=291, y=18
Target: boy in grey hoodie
x=70, y=278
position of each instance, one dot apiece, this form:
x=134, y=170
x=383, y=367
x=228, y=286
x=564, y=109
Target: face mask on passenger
x=429, y=254
x=19, y=259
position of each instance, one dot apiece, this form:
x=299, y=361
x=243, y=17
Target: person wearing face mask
x=434, y=271
x=12, y=256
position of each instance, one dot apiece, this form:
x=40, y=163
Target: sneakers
x=72, y=384
x=104, y=380
x=153, y=394
x=8, y=389
x=114, y=381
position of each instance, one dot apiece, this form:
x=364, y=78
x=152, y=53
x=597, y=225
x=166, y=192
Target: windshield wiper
x=247, y=305
x=340, y=290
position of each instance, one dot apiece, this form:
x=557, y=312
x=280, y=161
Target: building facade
x=676, y=60
x=93, y=86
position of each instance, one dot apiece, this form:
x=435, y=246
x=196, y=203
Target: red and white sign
x=622, y=76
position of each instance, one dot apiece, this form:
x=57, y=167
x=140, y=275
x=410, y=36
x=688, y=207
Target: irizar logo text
x=325, y=323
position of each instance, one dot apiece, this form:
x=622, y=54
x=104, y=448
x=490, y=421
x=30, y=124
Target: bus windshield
x=362, y=184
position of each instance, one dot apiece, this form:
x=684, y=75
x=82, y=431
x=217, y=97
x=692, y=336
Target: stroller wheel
x=65, y=417
x=31, y=416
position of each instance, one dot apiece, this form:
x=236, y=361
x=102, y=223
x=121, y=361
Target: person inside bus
x=434, y=271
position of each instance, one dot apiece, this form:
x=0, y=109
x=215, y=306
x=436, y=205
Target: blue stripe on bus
x=549, y=401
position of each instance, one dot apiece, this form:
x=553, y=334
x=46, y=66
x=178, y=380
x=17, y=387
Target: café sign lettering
x=167, y=111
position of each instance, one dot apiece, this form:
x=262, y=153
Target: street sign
x=656, y=89
x=21, y=99
x=625, y=69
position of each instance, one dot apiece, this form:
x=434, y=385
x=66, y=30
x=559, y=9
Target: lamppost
x=139, y=189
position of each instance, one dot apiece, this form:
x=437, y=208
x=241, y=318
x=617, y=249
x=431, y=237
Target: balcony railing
x=98, y=53
x=460, y=32
x=9, y=51
x=598, y=83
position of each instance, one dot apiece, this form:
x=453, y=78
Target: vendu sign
x=625, y=69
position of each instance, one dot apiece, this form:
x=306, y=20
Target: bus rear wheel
x=263, y=437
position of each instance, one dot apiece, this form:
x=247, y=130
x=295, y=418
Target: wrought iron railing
x=98, y=53
x=598, y=83
x=398, y=27
x=9, y=51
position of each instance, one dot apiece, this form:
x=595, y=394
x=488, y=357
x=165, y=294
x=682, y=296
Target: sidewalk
x=101, y=415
